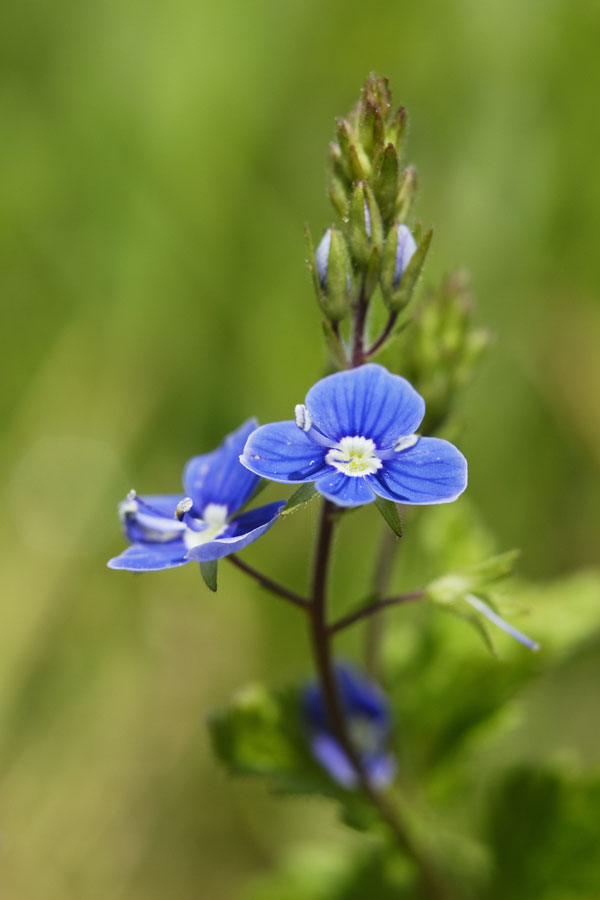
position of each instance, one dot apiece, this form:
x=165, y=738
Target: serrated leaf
x=305, y=493
x=208, y=570
x=389, y=511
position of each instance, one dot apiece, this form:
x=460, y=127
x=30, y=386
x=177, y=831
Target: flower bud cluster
x=374, y=199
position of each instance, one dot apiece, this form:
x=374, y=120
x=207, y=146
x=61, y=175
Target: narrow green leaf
x=304, y=494
x=208, y=570
x=389, y=511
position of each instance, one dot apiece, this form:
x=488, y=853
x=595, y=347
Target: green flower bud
x=407, y=194
x=386, y=183
x=365, y=228
x=332, y=274
x=403, y=263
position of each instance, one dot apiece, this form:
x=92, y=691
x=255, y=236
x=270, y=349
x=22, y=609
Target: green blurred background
x=158, y=162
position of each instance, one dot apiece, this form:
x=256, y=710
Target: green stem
x=432, y=887
x=373, y=608
x=268, y=584
x=381, y=578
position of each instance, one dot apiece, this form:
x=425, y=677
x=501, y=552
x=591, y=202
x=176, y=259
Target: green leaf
x=263, y=734
x=305, y=493
x=542, y=827
x=389, y=511
x=208, y=570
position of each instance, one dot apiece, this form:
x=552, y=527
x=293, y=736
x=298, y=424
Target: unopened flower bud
x=407, y=194
x=402, y=263
x=332, y=275
x=365, y=226
x=400, y=247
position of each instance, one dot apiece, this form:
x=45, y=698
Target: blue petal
x=367, y=401
x=344, y=490
x=433, y=471
x=485, y=610
x=218, y=477
x=150, y=557
x=282, y=452
x=159, y=504
x=154, y=520
x=358, y=695
x=330, y=755
x=244, y=530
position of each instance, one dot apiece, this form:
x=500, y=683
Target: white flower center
x=215, y=519
x=354, y=456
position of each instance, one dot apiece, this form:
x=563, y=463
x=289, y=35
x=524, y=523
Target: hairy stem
x=268, y=583
x=431, y=885
x=360, y=321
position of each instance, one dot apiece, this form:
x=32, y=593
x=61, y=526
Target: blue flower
x=355, y=438
x=170, y=530
x=367, y=719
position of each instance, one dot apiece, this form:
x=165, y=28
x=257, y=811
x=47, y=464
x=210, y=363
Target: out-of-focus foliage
x=157, y=164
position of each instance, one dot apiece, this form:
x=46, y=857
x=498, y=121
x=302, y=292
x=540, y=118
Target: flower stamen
x=354, y=456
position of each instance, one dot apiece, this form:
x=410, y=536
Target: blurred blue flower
x=368, y=722
x=355, y=438
x=170, y=530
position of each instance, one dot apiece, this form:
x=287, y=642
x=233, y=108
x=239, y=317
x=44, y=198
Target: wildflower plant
x=365, y=433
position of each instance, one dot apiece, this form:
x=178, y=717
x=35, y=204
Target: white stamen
x=215, y=518
x=183, y=507
x=406, y=441
x=129, y=506
x=302, y=416
x=354, y=456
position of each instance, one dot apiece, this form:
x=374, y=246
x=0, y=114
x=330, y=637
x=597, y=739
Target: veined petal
x=244, y=530
x=151, y=518
x=150, y=557
x=368, y=401
x=343, y=490
x=433, y=471
x=282, y=452
x=218, y=477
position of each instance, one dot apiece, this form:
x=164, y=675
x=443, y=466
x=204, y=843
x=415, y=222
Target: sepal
x=208, y=570
x=305, y=493
x=386, y=183
x=407, y=194
x=332, y=273
x=365, y=228
x=389, y=511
